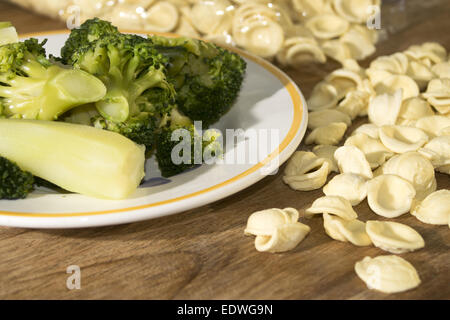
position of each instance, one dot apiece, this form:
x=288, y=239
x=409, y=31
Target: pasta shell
x=442, y=69
x=330, y=134
x=420, y=72
x=359, y=41
x=350, y=186
x=369, y=129
x=298, y=51
x=377, y=76
x=285, y=238
x=394, y=237
x=336, y=205
x=400, y=139
x=385, y=108
x=309, y=8
x=393, y=83
x=354, y=10
x=413, y=109
x=336, y=50
x=264, y=222
x=323, y=96
x=433, y=125
x=305, y=171
x=354, y=103
x=327, y=26
x=438, y=95
x=212, y=17
x=325, y=117
x=429, y=53
x=326, y=152
x=161, y=17
x=389, y=195
x=344, y=81
x=434, y=209
x=396, y=63
x=352, y=160
x=353, y=231
x=186, y=28
x=375, y=152
x=437, y=151
x=416, y=169
x=388, y=274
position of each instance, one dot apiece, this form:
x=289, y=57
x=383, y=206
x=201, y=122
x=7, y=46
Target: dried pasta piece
x=369, y=129
x=354, y=103
x=161, y=17
x=336, y=205
x=264, y=222
x=432, y=125
x=325, y=117
x=377, y=76
x=285, y=238
x=212, y=17
x=393, y=83
x=416, y=169
x=385, y=108
x=309, y=8
x=434, y=209
x=350, y=159
x=401, y=139
x=326, y=152
x=350, y=186
x=323, y=96
x=327, y=26
x=394, y=237
x=353, y=231
x=437, y=151
x=441, y=69
x=186, y=28
x=299, y=50
x=375, y=152
x=276, y=230
x=336, y=50
x=438, y=95
x=413, y=109
x=359, y=41
x=356, y=11
x=344, y=81
x=330, y=134
x=388, y=274
x=305, y=171
x=419, y=72
x=389, y=195
x=429, y=53
x=396, y=63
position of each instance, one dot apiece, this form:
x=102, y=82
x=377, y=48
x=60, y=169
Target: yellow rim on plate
x=295, y=126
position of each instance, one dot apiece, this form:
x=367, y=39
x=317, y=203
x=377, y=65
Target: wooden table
x=203, y=253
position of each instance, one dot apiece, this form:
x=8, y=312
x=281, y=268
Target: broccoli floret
x=90, y=31
x=207, y=78
x=170, y=141
x=32, y=87
x=138, y=94
x=14, y=182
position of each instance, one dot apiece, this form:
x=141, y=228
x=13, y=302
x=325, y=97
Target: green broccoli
x=170, y=141
x=32, y=87
x=138, y=94
x=14, y=182
x=207, y=78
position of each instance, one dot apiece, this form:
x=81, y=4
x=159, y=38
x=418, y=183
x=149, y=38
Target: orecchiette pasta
x=330, y=134
x=336, y=205
x=434, y=209
x=350, y=186
x=375, y=152
x=353, y=231
x=389, y=274
x=401, y=139
x=350, y=159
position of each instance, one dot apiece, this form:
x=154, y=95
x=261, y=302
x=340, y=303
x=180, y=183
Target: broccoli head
x=14, y=182
x=32, y=87
x=138, y=93
x=207, y=78
x=179, y=135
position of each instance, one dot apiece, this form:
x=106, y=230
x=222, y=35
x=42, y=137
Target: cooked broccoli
x=138, y=94
x=207, y=78
x=170, y=142
x=14, y=182
x=33, y=87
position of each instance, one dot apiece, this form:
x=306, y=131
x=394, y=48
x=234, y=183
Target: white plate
x=269, y=100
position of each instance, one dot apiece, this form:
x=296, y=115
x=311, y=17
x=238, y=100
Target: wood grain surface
x=203, y=253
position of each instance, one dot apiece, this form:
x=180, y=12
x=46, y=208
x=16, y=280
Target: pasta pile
x=292, y=32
